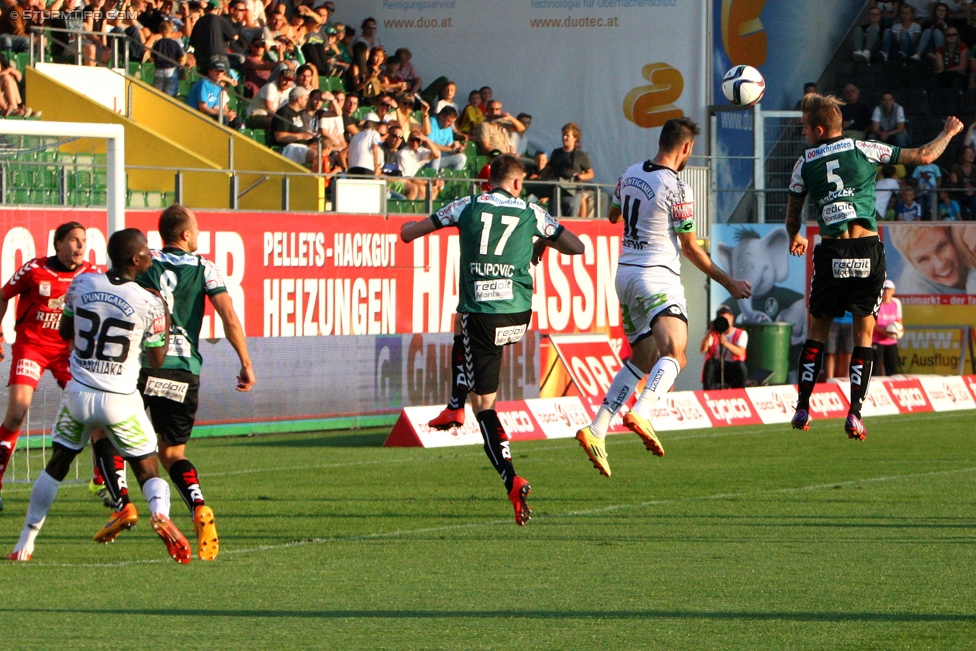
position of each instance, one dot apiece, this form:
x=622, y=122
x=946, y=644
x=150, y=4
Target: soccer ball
x=743, y=85
x=895, y=330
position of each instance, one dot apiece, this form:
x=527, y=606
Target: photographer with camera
x=724, y=346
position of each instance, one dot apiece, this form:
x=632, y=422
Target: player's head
x=178, y=227
x=129, y=252
x=70, y=243
x=821, y=117
x=507, y=172
x=678, y=137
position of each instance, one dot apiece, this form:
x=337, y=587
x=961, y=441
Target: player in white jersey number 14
x=657, y=209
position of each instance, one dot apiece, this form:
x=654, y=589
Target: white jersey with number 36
x=655, y=206
x=113, y=319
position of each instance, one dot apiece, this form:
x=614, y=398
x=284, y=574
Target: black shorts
x=848, y=276
x=173, y=407
x=484, y=337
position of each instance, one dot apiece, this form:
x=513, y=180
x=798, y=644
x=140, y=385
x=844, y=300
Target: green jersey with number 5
x=184, y=280
x=839, y=177
x=496, y=231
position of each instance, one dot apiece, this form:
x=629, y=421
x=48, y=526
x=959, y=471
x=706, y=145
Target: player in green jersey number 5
x=496, y=231
x=838, y=174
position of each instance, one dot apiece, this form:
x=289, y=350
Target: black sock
x=862, y=363
x=811, y=361
x=496, y=446
x=184, y=476
x=459, y=379
x=112, y=467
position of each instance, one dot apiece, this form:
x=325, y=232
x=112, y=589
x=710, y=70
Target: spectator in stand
x=368, y=35
x=963, y=175
x=357, y=73
x=486, y=95
x=205, y=94
x=386, y=108
x=839, y=346
x=392, y=144
x=950, y=63
x=65, y=47
x=411, y=158
x=350, y=123
x=212, y=35
x=365, y=153
x=445, y=97
x=889, y=11
x=312, y=111
x=521, y=144
x=10, y=100
x=907, y=209
x=855, y=113
x=493, y=132
x=928, y=179
x=257, y=69
x=884, y=190
x=168, y=55
x=885, y=346
x=867, y=38
x=271, y=97
x=307, y=77
x=888, y=122
x=407, y=103
x=307, y=155
x=949, y=209
x=485, y=173
x=407, y=72
x=933, y=31
x=287, y=125
x=237, y=15
x=440, y=131
x=473, y=114
x=329, y=120
x=809, y=87
x=901, y=39
x=16, y=19
x=569, y=165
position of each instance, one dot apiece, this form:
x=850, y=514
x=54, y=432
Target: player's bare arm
x=412, y=230
x=698, y=257
x=234, y=332
x=930, y=152
x=794, y=213
x=567, y=243
x=614, y=214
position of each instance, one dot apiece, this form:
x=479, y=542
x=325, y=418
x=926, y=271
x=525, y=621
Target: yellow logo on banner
x=743, y=35
x=652, y=106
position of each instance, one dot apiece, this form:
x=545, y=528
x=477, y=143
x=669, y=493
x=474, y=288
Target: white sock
x=622, y=387
x=42, y=497
x=659, y=382
x=156, y=491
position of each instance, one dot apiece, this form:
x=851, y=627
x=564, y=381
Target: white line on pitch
x=571, y=514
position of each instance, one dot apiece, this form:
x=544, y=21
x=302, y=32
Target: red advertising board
x=908, y=395
x=304, y=274
x=729, y=407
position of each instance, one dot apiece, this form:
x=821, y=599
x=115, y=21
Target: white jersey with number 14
x=655, y=206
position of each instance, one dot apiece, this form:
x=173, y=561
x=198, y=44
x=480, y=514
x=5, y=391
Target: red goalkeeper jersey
x=41, y=285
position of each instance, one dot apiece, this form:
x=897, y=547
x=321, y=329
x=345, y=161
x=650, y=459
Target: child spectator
x=927, y=178
x=168, y=55
x=407, y=72
x=907, y=209
x=949, y=209
x=473, y=114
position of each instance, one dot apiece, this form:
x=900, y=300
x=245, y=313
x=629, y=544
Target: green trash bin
x=769, y=348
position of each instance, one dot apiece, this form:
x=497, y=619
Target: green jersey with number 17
x=839, y=176
x=496, y=231
x=184, y=280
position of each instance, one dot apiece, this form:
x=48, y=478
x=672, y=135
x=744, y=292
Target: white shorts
x=644, y=294
x=123, y=417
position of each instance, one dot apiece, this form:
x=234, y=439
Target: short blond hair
x=822, y=111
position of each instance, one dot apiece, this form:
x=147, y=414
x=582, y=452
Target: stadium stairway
x=162, y=132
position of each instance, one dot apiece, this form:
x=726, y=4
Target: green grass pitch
x=740, y=538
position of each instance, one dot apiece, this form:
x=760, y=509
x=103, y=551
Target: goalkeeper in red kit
x=40, y=285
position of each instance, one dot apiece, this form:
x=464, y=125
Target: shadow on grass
x=518, y=614
x=359, y=439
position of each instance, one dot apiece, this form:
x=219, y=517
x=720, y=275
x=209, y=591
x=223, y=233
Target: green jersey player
x=186, y=281
x=838, y=175
x=495, y=306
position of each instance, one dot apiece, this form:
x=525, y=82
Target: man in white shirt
x=365, y=153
